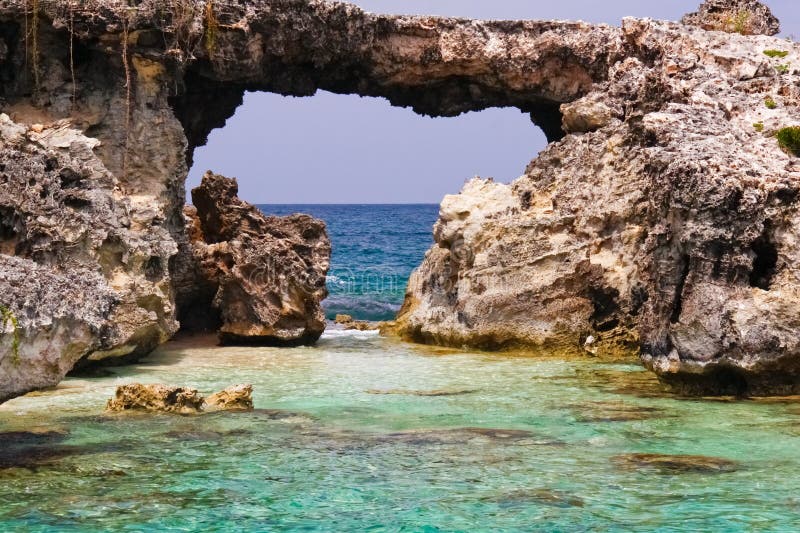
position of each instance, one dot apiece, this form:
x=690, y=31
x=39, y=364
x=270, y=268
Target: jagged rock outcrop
x=179, y=400
x=265, y=276
x=349, y=323
x=79, y=276
x=156, y=398
x=234, y=398
x=141, y=86
x=748, y=17
x=661, y=219
x=666, y=223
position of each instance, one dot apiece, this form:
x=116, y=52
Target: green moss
x=789, y=139
x=783, y=69
x=770, y=103
x=759, y=126
x=775, y=53
x=8, y=317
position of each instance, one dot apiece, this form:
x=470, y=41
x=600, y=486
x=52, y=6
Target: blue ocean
x=375, y=249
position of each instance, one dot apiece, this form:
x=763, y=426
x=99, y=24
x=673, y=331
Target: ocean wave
x=332, y=333
x=361, y=308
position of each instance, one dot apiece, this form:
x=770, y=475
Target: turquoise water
x=375, y=248
x=363, y=433
x=367, y=434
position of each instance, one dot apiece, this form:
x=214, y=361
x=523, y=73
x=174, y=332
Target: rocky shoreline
x=660, y=222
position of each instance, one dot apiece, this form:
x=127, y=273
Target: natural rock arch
x=621, y=235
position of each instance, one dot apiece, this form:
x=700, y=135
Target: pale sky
x=347, y=149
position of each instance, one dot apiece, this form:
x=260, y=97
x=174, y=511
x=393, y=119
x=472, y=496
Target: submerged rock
x=616, y=412
x=179, y=400
x=677, y=464
x=429, y=393
x=553, y=498
x=264, y=276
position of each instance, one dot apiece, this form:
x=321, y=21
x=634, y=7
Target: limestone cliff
x=665, y=223
x=661, y=217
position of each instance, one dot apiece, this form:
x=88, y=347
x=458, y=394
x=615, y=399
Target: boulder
x=235, y=398
x=265, y=276
x=179, y=400
x=156, y=398
x=349, y=323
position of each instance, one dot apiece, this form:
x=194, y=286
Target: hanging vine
x=35, y=50
x=128, y=81
x=212, y=28
x=72, y=53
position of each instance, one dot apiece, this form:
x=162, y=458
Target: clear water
x=375, y=248
x=363, y=433
x=367, y=434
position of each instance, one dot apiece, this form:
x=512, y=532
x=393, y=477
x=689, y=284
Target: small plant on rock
x=759, y=126
x=775, y=53
x=789, y=140
x=7, y=317
x=741, y=22
x=212, y=28
x=770, y=103
x=783, y=69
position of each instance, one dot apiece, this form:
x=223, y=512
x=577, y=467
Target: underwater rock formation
x=265, y=276
x=661, y=219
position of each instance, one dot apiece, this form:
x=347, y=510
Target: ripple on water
x=540, y=443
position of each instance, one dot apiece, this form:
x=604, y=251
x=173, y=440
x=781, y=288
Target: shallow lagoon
x=365, y=433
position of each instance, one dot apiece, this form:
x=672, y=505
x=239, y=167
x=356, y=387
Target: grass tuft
x=7, y=317
x=770, y=103
x=789, y=140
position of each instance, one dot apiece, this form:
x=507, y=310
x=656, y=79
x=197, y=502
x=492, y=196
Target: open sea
x=375, y=248
x=364, y=433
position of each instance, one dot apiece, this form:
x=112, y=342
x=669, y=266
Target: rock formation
x=156, y=398
x=748, y=17
x=264, y=275
x=664, y=223
x=179, y=400
x=349, y=323
x=661, y=218
x=235, y=398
